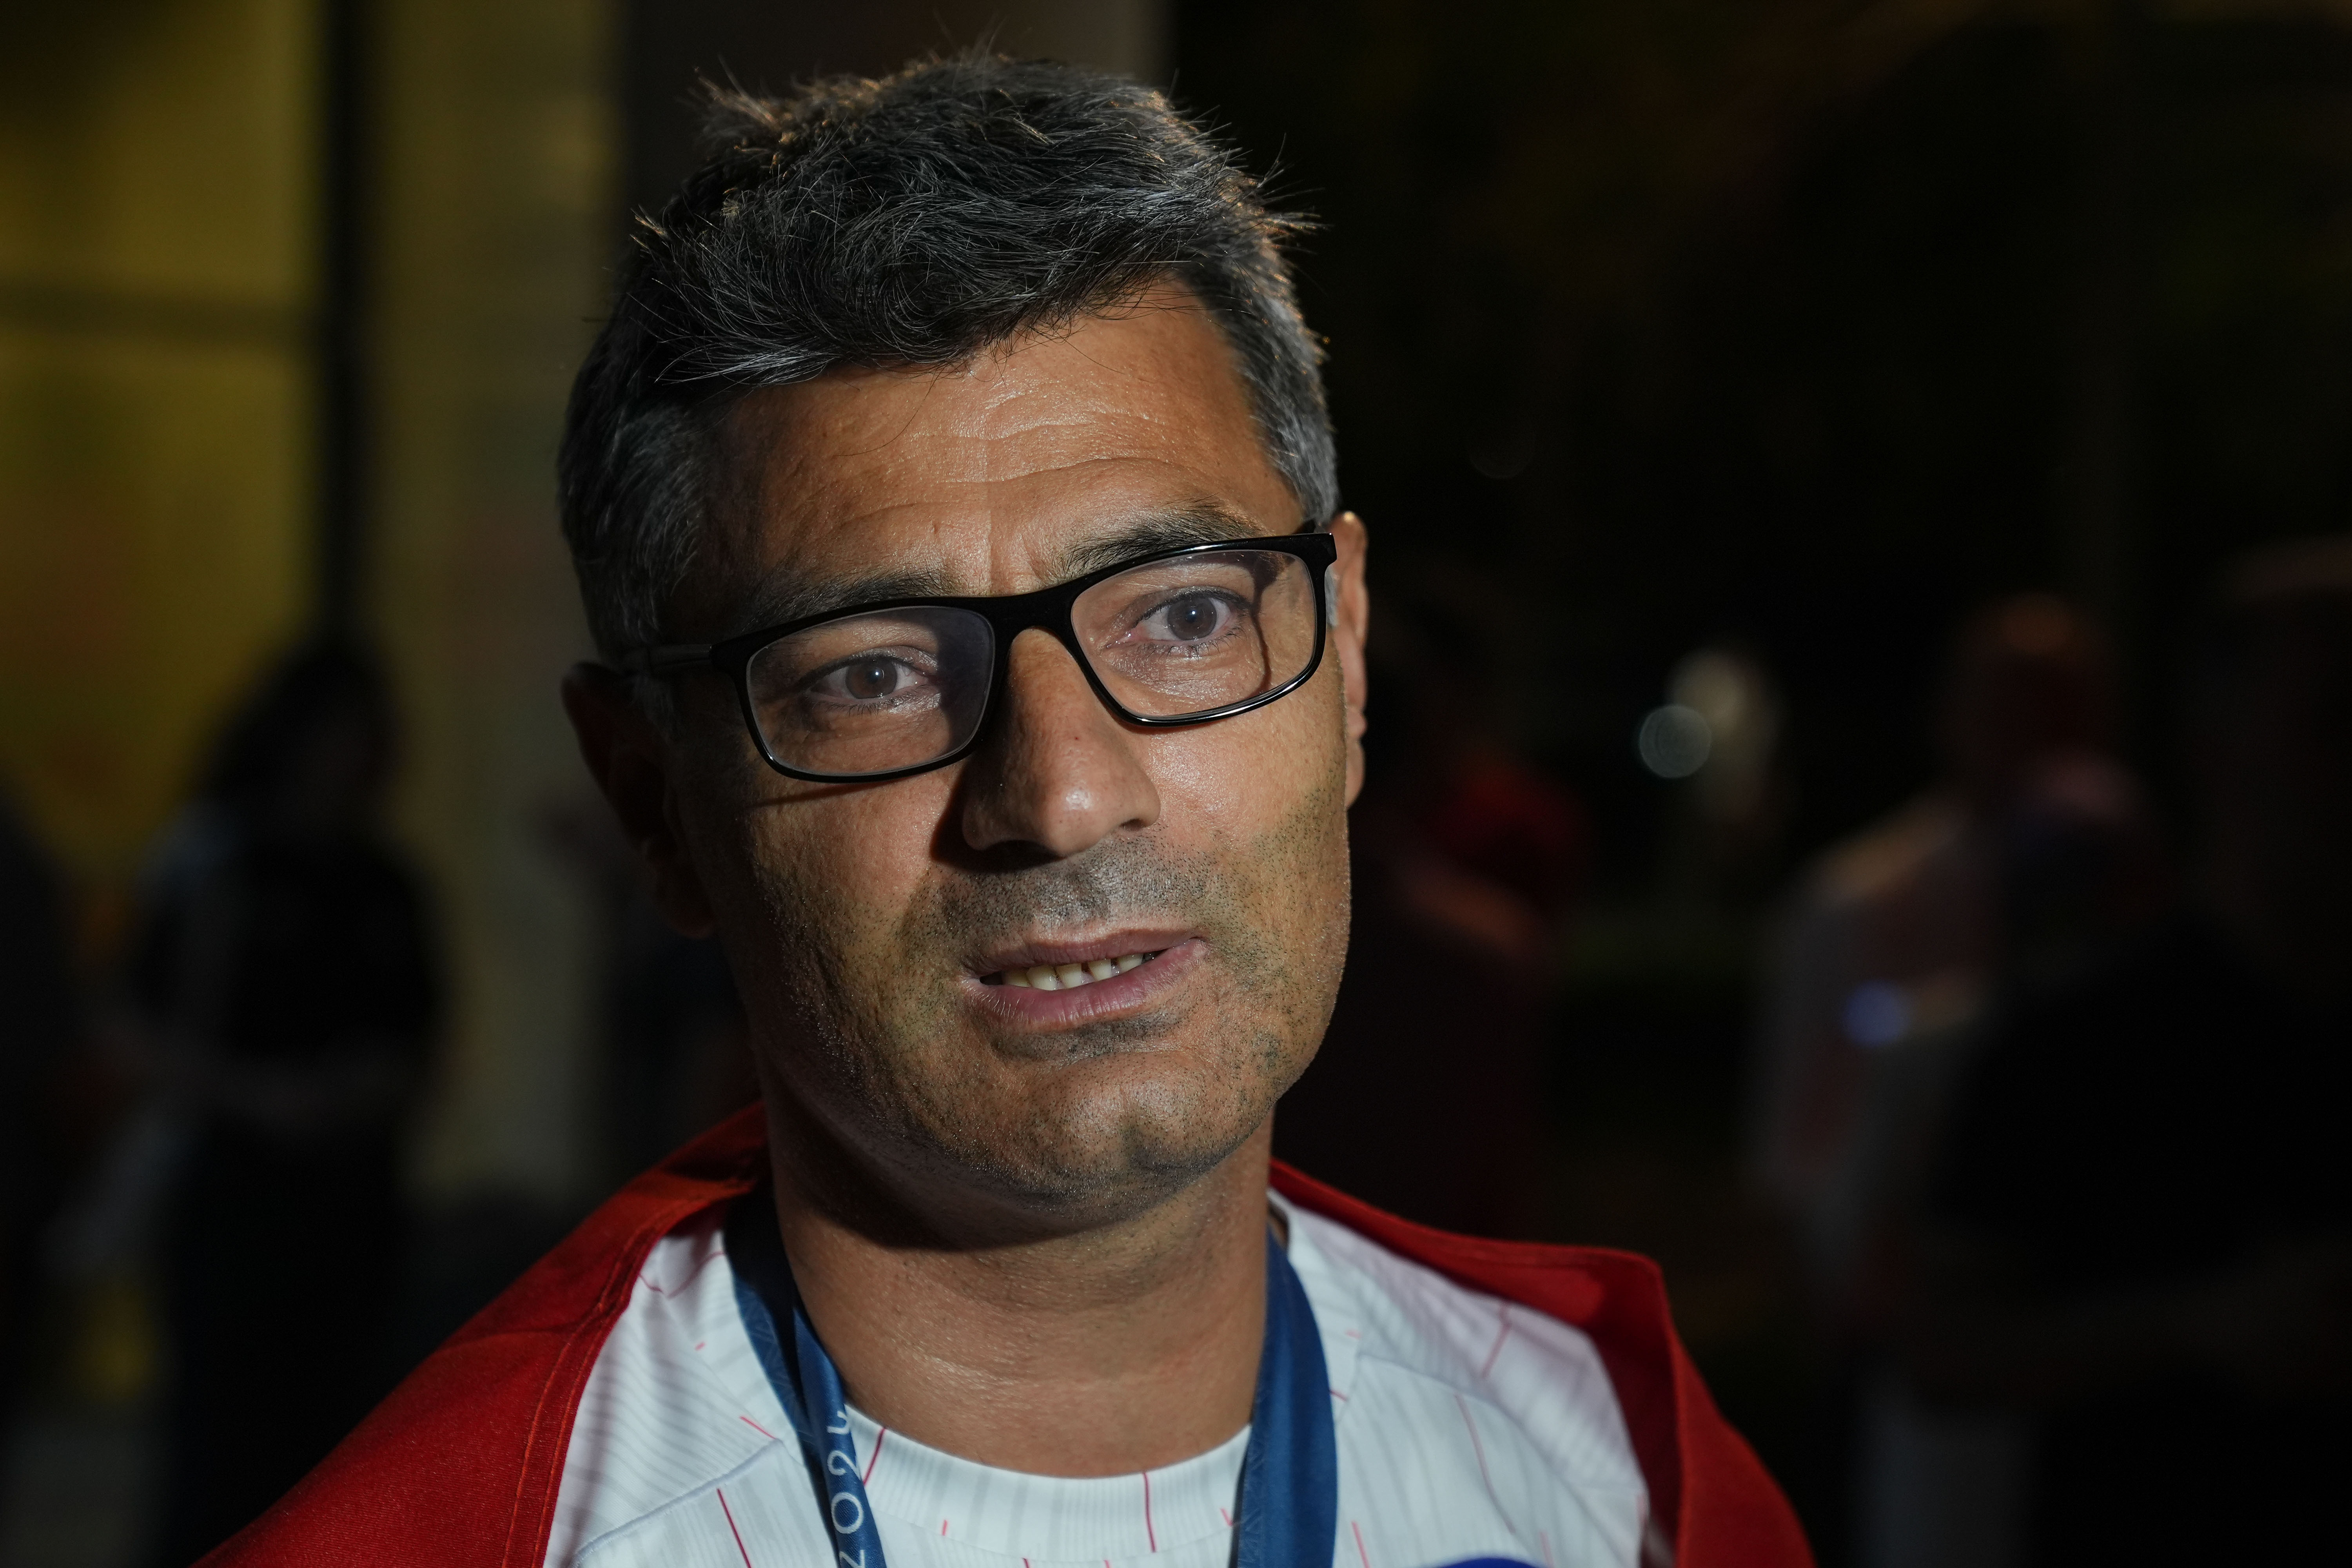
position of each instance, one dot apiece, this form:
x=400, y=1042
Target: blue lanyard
x=1288, y=1510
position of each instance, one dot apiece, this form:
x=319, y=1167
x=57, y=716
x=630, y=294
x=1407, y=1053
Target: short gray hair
x=913, y=221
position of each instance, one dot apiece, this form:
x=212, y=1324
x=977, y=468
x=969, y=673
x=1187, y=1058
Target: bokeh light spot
x=1877, y=1014
x=1674, y=741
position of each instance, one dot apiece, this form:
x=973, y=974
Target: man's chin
x=1095, y=1158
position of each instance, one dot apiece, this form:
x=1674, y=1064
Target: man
x=1898, y=933
x=2141, y=1230
x=954, y=504
x=2029, y=852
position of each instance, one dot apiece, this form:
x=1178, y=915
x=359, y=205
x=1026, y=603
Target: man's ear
x=1347, y=638
x=629, y=760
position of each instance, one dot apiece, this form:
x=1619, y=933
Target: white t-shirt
x=1469, y=1431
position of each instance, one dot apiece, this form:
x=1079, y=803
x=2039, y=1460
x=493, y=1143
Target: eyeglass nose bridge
x=1053, y=612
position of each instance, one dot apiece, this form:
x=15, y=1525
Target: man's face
x=869, y=925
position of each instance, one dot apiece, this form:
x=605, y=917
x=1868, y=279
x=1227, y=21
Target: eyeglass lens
x=1169, y=640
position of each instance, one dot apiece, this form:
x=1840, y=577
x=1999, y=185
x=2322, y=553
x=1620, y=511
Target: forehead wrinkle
x=884, y=435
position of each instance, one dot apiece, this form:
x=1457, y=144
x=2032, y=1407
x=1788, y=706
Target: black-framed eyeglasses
x=882, y=691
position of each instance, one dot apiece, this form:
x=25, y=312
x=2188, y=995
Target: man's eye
x=871, y=677
x=1194, y=618
x=874, y=678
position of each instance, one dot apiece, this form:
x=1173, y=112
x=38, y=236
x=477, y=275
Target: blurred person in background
x=2029, y=855
x=284, y=974
x=1902, y=927
x=2141, y=1229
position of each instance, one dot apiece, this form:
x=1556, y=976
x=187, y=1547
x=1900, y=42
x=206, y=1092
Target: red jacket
x=460, y=1465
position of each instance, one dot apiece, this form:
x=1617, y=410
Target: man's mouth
x=1092, y=980
x=1070, y=976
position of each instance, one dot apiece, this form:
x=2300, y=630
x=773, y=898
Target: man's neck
x=1103, y=1351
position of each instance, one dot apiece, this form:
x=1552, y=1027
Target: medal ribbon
x=1287, y=1515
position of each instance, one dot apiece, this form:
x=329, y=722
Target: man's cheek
x=1225, y=791
x=1258, y=770
x=825, y=855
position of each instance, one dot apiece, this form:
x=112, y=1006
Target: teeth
x=1069, y=976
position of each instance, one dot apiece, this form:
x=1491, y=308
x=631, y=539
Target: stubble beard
x=863, y=1020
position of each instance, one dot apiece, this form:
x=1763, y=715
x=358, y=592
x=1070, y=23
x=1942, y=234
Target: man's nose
x=1059, y=771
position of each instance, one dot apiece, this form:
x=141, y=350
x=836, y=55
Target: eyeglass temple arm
x=665, y=659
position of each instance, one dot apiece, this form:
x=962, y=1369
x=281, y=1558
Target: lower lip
x=1125, y=993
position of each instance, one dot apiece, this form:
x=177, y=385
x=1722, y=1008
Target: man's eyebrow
x=785, y=598
x=1202, y=522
